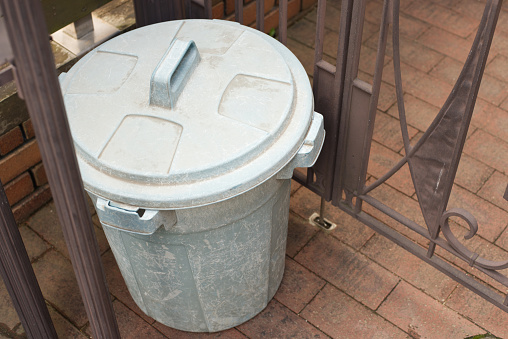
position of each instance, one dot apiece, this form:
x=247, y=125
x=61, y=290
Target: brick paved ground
x=350, y=283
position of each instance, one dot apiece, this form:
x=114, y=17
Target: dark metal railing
x=19, y=277
x=38, y=84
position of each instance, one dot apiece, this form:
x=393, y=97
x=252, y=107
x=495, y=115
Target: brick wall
x=21, y=170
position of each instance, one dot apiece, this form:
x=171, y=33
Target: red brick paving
x=277, y=321
x=132, y=326
x=328, y=313
x=387, y=132
x=351, y=282
x=347, y=269
x=382, y=160
x=409, y=267
x=7, y=312
x=474, y=307
x=423, y=317
x=10, y=140
x=442, y=17
x=446, y=43
x=35, y=246
x=491, y=119
x=169, y=332
x=298, y=234
x=488, y=149
x=472, y=174
x=59, y=286
x=298, y=287
x=492, y=219
x=64, y=329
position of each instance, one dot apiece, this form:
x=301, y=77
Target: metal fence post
x=150, y=12
x=19, y=277
x=38, y=84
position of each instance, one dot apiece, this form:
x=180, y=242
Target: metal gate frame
x=433, y=160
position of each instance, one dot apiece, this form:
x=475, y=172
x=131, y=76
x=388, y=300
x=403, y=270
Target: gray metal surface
x=202, y=124
x=212, y=267
x=234, y=125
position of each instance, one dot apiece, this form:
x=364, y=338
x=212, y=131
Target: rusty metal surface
x=19, y=277
x=36, y=76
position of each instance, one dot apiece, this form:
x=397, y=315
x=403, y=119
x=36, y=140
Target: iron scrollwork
x=473, y=258
x=432, y=161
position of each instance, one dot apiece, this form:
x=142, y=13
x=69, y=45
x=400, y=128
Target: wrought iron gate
x=349, y=106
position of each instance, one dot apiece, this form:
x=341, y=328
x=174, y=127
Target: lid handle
x=132, y=219
x=172, y=73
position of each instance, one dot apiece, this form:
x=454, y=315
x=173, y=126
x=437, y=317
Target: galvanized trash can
x=187, y=134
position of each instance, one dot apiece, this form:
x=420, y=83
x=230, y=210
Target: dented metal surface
x=216, y=267
x=190, y=169
x=242, y=114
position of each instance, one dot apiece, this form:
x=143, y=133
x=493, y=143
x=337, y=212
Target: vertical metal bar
x=5, y=46
x=151, y=12
x=326, y=77
x=188, y=9
x=260, y=15
x=208, y=9
x=283, y=21
x=376, y=88
x=324, y=94
x=320, y=32
x=328, y=89
x=19, y=277
x=37, y=78
x=351, y=86
x=239, y=11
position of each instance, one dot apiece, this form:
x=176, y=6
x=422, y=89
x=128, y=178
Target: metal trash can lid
x=185, y=113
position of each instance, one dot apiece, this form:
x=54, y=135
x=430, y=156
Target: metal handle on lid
x=171, y=74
